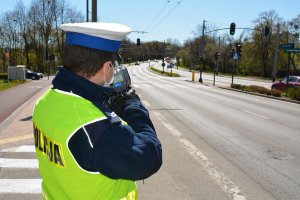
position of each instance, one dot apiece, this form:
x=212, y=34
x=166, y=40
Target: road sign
x=235, y=56
x=163, y=64
x=295, y=50
x=168, y=60
x=287, y=46
x=171, y=65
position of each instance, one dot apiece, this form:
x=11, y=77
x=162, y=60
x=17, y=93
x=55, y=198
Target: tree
x=264, y=46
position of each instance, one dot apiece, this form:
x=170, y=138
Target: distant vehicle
x=33, y=75
x=294, y=81
x=137, y=63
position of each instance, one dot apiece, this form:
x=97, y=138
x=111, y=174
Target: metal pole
x=201, y=68
x=215, y=72
x=288, y=71
x=7, y=74
x=233, y=70
x=219, y=50
x=87, y=10
x=94, y=10
x=275, y=54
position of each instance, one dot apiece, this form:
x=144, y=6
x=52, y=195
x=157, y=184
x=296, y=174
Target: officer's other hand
x=118, y=104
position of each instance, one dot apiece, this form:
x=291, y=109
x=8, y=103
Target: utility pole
x=87, y=10
x=94, y=10
x=275, y=54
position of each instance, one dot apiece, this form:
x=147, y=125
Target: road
x=242, y=143
x=217, y=144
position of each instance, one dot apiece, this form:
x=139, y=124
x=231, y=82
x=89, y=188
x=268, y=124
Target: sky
x=178, y=19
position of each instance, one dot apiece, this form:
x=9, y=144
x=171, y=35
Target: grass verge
x=157, y=71
x=4, y=85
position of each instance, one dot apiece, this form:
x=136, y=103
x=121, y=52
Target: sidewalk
x=17, y=128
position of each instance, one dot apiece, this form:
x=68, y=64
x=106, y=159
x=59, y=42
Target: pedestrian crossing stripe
x=17, y=186
x=20, y=186
x=19, y=163
x=24, y=148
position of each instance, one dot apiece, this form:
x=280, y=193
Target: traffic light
x=217, y=55
x=232, y=28
x=138, y=42
x=239, y=50
x=200, y=59
x=266, y=31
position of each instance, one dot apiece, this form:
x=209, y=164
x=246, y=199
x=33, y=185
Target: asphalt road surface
x=220, y=144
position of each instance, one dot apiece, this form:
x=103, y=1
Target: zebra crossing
x=19, y=174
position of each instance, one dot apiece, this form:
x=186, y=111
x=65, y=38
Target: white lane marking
x=32, y=186
x=252, y=113
x=219, y=177
x=19, y=163
x=24, y=148
x=146, y=103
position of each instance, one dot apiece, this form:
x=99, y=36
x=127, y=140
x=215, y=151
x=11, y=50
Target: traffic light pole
x=288, y=71
x=87, y=10
x=94, y=10
x=233, y=71
x=275, y=54
x=216, y=65
x=201, y=68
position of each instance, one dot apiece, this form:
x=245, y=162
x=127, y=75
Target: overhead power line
x=165, y=17
x=158, y=14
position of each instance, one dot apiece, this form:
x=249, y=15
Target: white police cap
x=96, y=35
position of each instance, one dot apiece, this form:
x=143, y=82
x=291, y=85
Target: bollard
x=193, y=75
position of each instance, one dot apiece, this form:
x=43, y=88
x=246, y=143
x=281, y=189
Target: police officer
x=87, y=150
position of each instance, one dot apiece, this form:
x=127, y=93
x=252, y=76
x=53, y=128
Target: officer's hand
x=118, y=104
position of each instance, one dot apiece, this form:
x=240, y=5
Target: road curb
x=261, y=95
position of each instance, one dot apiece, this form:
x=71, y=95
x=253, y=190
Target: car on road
x=33, y=75
x=137, y=63
x=294, y=81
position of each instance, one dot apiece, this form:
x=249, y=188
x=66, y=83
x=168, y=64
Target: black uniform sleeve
x=130, y=152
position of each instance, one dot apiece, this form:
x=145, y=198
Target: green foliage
x=3, y=76
x=294, y=93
